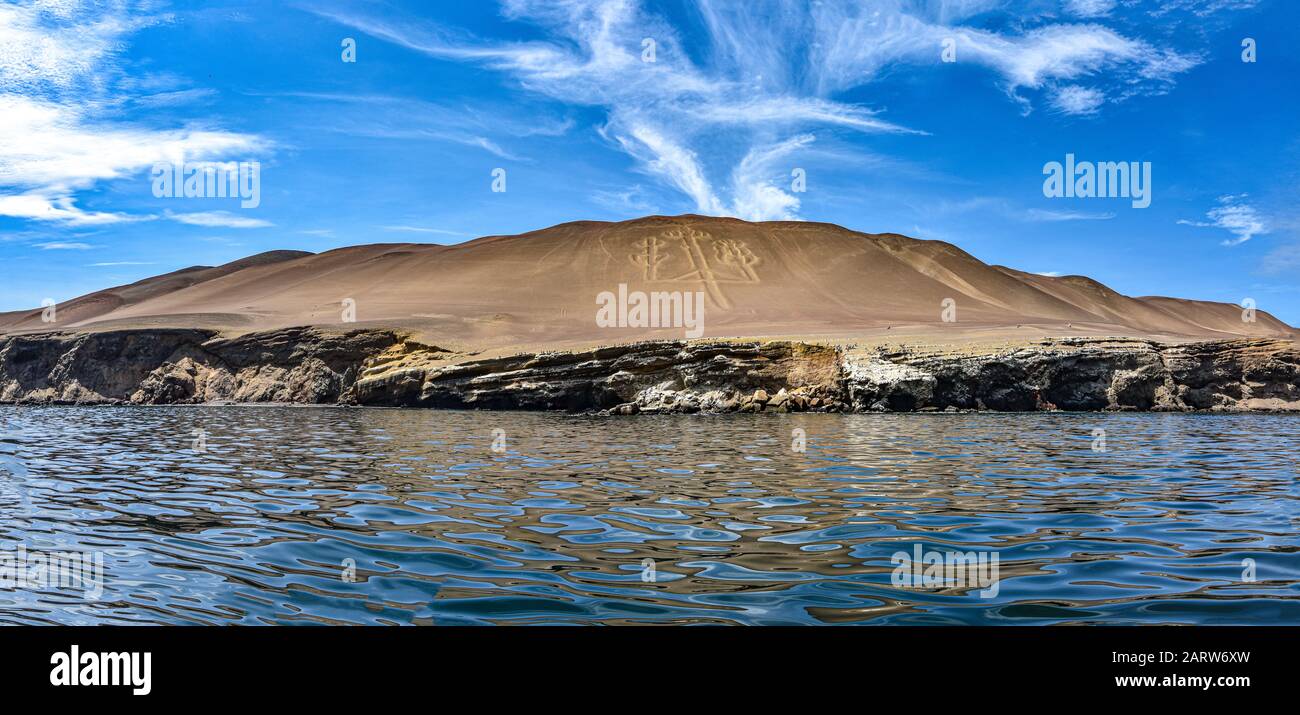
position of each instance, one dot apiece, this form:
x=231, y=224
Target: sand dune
x=758, y=279
x=93, y=306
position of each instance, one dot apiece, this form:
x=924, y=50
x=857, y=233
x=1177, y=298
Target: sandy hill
x=759, y=279
x=93, y=306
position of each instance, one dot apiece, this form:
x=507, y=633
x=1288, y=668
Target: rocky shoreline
x=388, y=368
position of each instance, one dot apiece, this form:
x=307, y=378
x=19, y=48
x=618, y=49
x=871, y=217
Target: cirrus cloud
x=770, y=75
x=57, y=59
x=1235, y=216
x=217, y=219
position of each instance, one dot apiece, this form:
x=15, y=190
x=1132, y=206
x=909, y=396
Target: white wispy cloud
x=1202, y=8
x=49, y=151
x=793, y=111
x=657, y=111
x=1089, y=8
x=767, y=75
x=1008, y=210
x=631, y=201
x=857, y=39
x=661, y=155
x=175, y=97
x=756, y=196
x=388, y=117
x=217, y=219
x=64, y=246
x=53, y=47
x=42, y=206
x=57, y=68
x=1049, y=215
x=1073, y=99
x=1235, y=216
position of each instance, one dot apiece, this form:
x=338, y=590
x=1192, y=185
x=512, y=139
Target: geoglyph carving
x=701, y=258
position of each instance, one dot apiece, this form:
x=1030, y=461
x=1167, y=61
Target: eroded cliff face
x=1081, y=374
x=386, y=368
x=667, y=376
x=169, y=366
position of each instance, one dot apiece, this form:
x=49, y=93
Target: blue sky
x=401, y=144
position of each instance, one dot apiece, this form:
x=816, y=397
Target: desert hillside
x=802, y=279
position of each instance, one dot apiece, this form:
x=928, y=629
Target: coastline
x=376, y=367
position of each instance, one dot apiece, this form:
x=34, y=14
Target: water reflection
x=269, y=524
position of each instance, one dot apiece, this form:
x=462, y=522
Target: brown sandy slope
x=89, y=308
x=810, y=280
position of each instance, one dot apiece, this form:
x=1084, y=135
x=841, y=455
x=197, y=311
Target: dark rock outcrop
x=1107, y=374
x=381, y=367
x=170, y=366
x=663, y=376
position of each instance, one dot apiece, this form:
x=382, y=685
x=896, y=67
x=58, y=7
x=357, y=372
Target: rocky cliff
x=387, y=368
x=667, y=376
x=1081, y=374
x=174, y=366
